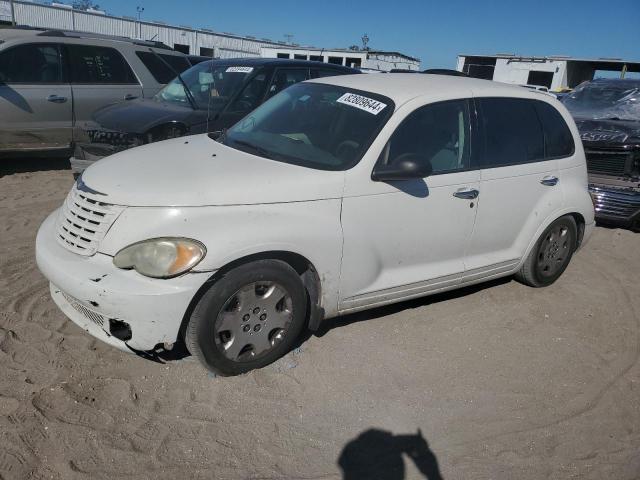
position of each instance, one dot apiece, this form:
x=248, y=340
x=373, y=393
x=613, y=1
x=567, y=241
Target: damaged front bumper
x=95, y=143
x=120, y=307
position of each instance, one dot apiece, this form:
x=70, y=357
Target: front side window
x=31, y=64
x=313, y=125
x=250, y=97
x=99, y=65
x=438, y=134
x=210, y=85
x=284, y=78
x=512, y=132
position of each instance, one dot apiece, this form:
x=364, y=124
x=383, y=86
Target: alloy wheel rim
x=554, y=250
x=253, y=321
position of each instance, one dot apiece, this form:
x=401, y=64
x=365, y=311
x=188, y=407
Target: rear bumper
x=616, y=205
x=92, y=292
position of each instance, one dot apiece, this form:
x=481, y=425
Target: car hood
x=609, y=132
x=138, y=116
x=198, y=171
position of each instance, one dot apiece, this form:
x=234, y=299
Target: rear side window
x=512, y=132
x=31, y=64
x=99, y=65
x=160, y=70
x=558, y=141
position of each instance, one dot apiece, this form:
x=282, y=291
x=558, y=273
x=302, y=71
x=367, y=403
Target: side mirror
x=405, y=167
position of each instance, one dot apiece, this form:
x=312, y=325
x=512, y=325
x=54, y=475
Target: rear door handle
x=466, y=193
x=56, y=99
x=128, y=96
x=549, y=181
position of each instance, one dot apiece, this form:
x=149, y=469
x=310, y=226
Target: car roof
x=279, y=62
x=46, y=35
x=402, y=87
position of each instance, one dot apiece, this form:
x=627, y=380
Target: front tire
x=551, y=254
x=249, y=318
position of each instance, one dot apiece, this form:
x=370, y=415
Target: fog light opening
x=119, y=329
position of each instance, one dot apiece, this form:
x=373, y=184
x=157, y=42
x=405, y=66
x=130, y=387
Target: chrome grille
x=84, y=221
x=609, y=162
x=84, y=311
x=614, y=202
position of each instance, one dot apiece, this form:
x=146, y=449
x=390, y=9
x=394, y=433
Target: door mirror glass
x=405, y=167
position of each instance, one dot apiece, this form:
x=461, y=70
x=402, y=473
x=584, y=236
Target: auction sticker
x=239, y=70
x=363, y=103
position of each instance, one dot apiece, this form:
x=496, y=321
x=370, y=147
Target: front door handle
x=549, y=181
x=466, y=193
x=56, y=99
x=128, y=96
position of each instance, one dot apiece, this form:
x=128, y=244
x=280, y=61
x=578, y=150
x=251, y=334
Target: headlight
x=161, y=257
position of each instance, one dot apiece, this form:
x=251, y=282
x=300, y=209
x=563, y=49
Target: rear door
x=518, y=188
x=35, y=99
x=100, y=76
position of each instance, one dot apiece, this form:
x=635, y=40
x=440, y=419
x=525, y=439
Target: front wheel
x=249, y=318
x=551, y=254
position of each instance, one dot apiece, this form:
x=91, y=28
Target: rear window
x=558, y=141
x=161, y=71
x=512, y=132
x=96, y=65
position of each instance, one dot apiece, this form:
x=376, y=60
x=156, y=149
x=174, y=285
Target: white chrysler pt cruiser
x=336, y=195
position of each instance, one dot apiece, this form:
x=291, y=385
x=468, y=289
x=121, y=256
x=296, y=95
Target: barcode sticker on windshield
x=239, y=70
x=363, y=103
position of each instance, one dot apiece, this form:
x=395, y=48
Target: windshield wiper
x=187, y=92
x=259, y=150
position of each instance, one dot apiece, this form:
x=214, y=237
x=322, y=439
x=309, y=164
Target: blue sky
x=434, y=31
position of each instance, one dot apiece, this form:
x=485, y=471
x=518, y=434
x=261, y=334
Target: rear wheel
x=249, y=318
x=551, y=254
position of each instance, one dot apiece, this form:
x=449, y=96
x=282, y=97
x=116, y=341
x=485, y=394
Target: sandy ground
x=502, y=381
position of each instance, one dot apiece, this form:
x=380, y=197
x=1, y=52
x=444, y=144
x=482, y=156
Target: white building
x=366, y=59
x=555, y=72
x=186, y=39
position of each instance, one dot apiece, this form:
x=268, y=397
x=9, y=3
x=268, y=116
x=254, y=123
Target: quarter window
x=162, y=72
x=99, y=65
x=512, y=132
x=558, y=140
x=32, y=64
x=437, y=133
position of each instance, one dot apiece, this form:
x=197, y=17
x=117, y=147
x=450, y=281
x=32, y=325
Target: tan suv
x=51, y=81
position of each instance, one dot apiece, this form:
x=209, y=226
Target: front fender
x=310, y=229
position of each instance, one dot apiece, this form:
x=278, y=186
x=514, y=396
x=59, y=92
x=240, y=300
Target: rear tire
x=249, y=318
x=551, y=254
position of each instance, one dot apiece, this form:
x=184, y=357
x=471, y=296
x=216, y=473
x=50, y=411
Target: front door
x=408, y=238
x=35, y=101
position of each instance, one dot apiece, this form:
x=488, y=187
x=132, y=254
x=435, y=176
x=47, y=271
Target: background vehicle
x=50, y=81
x=218, y=93
x=607, y=112
x=337, y=195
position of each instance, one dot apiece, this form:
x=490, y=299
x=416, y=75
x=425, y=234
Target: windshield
x=211, y=85
x=313, y=125
x=605, y=101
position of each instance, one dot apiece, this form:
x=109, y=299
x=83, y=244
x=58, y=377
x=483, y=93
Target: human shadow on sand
x=378, y=455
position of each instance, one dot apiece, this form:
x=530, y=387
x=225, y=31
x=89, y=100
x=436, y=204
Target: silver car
x=51, y=82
